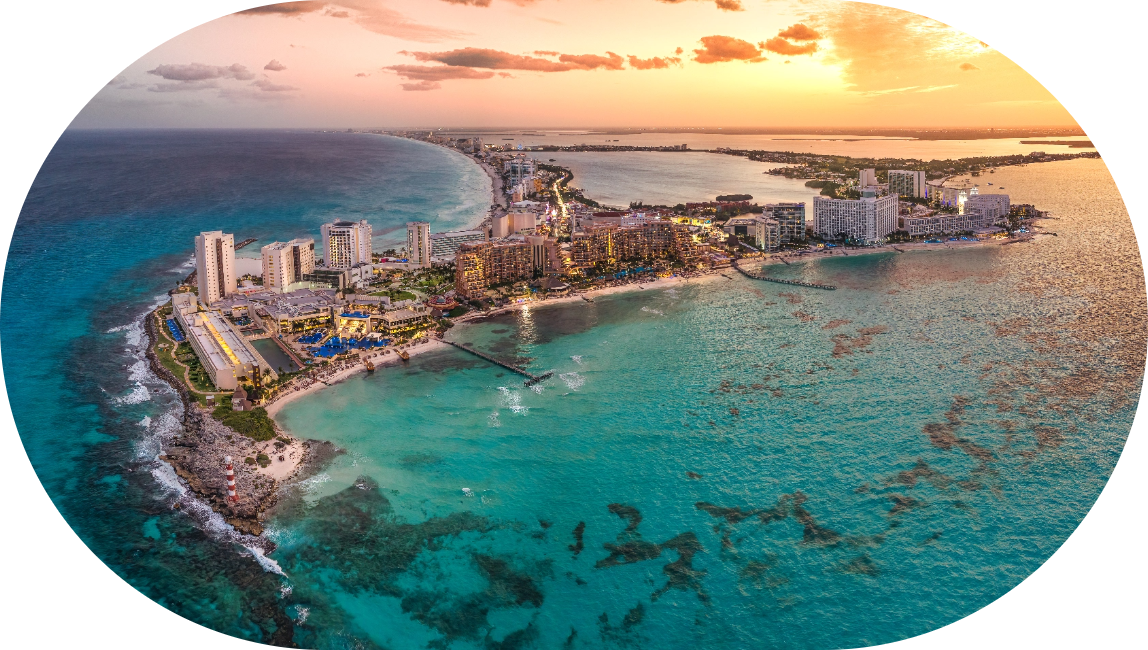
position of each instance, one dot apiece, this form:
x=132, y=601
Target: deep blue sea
x=723, y=464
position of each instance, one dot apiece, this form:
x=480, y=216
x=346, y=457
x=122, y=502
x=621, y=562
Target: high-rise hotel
x=285, y=263
x=215, y=266
x=868, y=219
x=346, y=243
x=419, y=243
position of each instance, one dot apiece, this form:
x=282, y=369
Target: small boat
x=403, y=354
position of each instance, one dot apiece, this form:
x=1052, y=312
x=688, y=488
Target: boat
x=403, y=354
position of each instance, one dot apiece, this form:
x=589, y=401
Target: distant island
x=729, y=198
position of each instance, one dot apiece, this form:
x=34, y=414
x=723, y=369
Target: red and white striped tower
x=231, y=495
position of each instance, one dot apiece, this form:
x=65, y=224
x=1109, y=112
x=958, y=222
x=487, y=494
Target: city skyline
x=358, y=63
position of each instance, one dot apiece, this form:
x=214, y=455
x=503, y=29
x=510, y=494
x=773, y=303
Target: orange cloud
x=799, y=32
x=422, y=85
x=545, y=53
x=592, y=61
x=475, y=57
x=718, y=49
x=367, y=14
x=437, y=73
x=724, y=5
x=655, y=63
x=275, y=66
x=779, y=45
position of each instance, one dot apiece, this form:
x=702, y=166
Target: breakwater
x=531, y=378
x=762, y=276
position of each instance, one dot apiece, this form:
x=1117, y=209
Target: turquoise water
x=731, y=463
x=727, y=464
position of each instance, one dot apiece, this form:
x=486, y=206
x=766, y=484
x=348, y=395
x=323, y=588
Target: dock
x=531, y=378
x=799, y=283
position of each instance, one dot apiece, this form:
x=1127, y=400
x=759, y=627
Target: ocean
x=726, y=463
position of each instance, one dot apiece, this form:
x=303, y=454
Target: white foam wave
x=312, y=483
x=653, y=311
x=138, y=395
x=493, y=420
x=577, y=359
x=145, y=422
x=573, y=380
x=537, y=388
x=303, y=613
x=512, y=399
x=268, y=565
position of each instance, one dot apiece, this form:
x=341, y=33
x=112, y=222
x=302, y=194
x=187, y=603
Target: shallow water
x=859, y=482
x=738, y=463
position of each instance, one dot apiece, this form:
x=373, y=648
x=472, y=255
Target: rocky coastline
x=197, y=455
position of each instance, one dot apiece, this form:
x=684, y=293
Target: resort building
x=480, y=266
x=445, y=245
x=767, y=234
x=285, y=263
x=346, y=243
x=499, y=226
x=867, y=220
x=215, y=266
x=521, y=221
x=656, y=239
x=790, y=218
x=937, y=224
x=226, y=355
x=406, y=319
x=519, y=169
x=544, y=253
x=987, y=209
x=418, y=243
x=297, y=311
x=907, y=183
x=867, y=178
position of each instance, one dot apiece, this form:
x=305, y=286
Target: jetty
x=799, y=283
x=245, y=242
x=531, y=378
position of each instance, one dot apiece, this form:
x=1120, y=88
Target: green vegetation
x=249, y=461
x=396, y=294
x=263, y=459
x=254, y=423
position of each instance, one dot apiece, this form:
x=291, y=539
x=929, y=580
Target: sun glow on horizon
x=404, y=62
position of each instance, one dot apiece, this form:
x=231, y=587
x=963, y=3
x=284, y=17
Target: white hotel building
x=285, y=263
x=418, y=243
x=225, y=353
x=868, y=219
x=346, y=243
x=215, y=266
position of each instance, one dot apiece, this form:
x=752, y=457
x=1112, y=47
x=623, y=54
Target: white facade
x=767, y=234
x=444, y=245
x=790, y=218
x=215, y=266
x=867, y=177
x=285, y=263
x=418, y=243
x=520, y=169
x=867, y=219
x=346, y=243
x=987, y=208
x=225, y=353
x=907, y=183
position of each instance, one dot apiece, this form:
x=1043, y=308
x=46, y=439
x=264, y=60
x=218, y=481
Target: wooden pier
x=531, y=378
x=799, y=283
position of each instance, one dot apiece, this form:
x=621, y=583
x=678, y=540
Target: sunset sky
x=539, y=63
